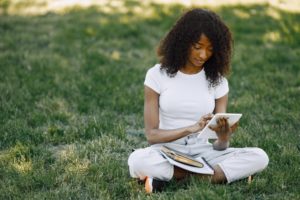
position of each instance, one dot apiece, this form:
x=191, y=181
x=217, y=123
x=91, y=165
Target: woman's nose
x=203, y=54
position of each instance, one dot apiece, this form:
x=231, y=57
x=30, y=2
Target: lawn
x=71, y=100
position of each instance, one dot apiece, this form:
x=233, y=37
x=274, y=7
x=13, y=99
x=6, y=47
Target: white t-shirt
x=184, y=98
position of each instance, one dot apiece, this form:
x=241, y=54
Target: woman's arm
x=222, y=129
x=151, y=118
x=221, y=104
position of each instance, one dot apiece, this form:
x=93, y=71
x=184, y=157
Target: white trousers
x=236, y=163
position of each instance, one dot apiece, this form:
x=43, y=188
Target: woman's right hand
x=201, y=123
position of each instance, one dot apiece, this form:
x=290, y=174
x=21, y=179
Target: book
x=206, y=132
x=180, y=157
x=189, y=163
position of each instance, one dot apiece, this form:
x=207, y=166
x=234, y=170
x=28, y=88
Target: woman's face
x=200, y=52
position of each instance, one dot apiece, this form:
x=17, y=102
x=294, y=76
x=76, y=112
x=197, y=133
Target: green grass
x=71, y=101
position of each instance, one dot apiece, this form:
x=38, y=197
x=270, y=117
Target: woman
x=181, y=95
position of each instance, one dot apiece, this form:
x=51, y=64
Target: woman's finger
x=207, y=116
x=234, y=127
x=214, y=127
x=226, y=123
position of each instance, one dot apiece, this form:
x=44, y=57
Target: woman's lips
x=199, y=61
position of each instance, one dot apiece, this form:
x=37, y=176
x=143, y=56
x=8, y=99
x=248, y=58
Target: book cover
x=196, y=165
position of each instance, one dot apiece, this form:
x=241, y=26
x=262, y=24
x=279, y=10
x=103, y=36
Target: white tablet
x=206, y=132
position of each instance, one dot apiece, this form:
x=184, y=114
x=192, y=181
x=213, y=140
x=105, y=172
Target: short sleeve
x=221, y=89
x=152, y=79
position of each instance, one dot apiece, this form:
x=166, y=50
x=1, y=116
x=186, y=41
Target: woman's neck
x=191, y=69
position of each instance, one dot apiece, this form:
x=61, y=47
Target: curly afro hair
x=174, y=48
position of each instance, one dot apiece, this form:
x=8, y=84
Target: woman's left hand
x=223, y=130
